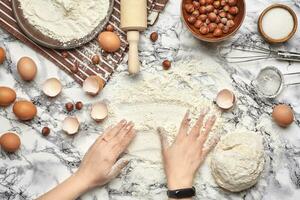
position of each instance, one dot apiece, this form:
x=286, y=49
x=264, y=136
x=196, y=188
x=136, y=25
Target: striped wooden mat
x=79, y=58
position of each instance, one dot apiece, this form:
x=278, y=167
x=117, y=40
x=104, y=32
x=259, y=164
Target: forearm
x=70, y=189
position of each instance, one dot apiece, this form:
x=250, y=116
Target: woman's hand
x=183, y=158
x=100, y=165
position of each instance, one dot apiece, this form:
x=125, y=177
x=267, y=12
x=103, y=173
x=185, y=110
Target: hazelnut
x=78, y=105
x=220, y=25
x=222, y=14
x=110, y=28
x=224, y=21
x=204, y=30
x=210, y=8
x=189, y=7
x=212, y=27
x=202, y=10
x=166, y=64
x=218, y=20
x=233, y=10
x=223, y=2
x=232, y=2
x=202, y=2
x=95, y=59
x=202, y=17
x=191, y=19
x=69, y=106
x=207, y=21
x=230, y=23
x=226, y=8
x=225, y=29
x=45, y=131
x=217, y=4
x=212, y=17
x=74, y=68
x=209, y=1
x=217, y=32
x=64, y=54
x=196, y=4
x=229, y=16
x=196, y=13
x=198, y=23
x=154, y=36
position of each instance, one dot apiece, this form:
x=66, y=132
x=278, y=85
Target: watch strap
x=181, y=193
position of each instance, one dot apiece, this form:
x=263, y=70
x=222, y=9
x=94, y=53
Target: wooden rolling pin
x=133, y=20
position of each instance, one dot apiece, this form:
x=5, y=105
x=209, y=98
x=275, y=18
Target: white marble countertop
x=42, y=162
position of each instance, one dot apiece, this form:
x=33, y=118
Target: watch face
x=181, y=193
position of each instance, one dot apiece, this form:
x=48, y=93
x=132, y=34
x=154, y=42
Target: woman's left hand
x=100, y=164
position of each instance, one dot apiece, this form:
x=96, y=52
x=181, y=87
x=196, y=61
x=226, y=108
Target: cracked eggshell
x=93, y=85
x=70, y=125
x=99, y=111
x=52, y=87
x=225, y=99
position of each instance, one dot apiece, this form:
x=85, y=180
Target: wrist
x=81, y=182
x=174, y=184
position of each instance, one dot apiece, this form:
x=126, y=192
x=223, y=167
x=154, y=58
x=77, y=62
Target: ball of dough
x=238, y=160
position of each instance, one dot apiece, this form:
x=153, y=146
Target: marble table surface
x=43, y=162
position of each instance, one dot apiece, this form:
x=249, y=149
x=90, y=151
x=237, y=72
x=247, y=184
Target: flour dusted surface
x=65, y=20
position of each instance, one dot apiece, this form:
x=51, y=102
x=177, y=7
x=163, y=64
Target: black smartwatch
x=181, y=193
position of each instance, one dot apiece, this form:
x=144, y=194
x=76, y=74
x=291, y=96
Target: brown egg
x=109, y=41
x=283, y=115
x=27, y=68
x=2, y=55
x=7, y=96
x=24, y=110
x=10, y=142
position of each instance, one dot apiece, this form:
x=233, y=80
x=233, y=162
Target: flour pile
x=65, y=20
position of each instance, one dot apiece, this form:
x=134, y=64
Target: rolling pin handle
x=133, y=59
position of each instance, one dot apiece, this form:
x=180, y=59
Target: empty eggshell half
x=99, y=111
x=225, y=99
x=70, y=125
x=93, y=85
x=52, y=87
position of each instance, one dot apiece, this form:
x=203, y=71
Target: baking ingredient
x=110, y=28
x=225, y=99
x=93, y=85
x=99, y=111
x=166, y=64
x=154, y=36
x=65, y=20
x=109, y=41
x=69, y=106
x=95, y=59
x=74, y=67
x=2, y=55
x=79, y=105
x=283, y=115
x=52, y=87
x=7, y=96
x=268, y=82
x=212, y=14
x=24, y=110
x=238, y=160
x=27, y=68
x=70, y=125
x=277, y=23
x=45, y=131
x=64, y=54
x=10, y=142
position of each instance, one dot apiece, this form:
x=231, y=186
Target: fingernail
x=123, y=121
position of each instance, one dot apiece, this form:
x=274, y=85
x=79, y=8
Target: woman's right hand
x=183, y=158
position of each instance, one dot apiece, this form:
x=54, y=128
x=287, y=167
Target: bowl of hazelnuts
x=213, y=20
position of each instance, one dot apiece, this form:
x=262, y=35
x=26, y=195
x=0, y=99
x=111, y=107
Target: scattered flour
x=65, y=20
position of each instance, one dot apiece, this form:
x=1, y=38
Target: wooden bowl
x=265, y=36
x=238, y=20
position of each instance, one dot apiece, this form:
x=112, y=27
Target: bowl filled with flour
x=62, y=24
